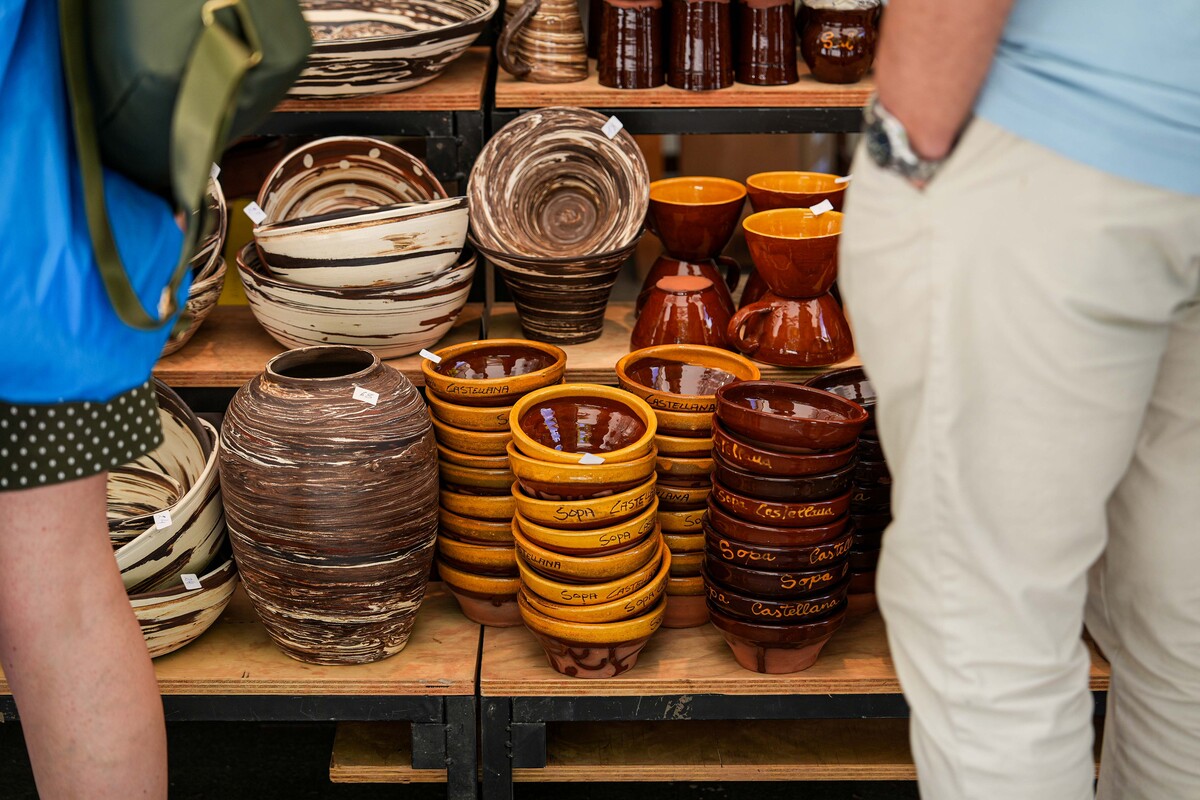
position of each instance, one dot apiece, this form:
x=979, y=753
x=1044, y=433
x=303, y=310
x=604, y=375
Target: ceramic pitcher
x=543, y=42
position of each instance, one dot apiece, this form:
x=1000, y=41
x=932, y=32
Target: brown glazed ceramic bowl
x=686, y=587
x=805, y=489
x=683, y=446
x=477, y=506
x=587, y=514
x=686, y=611
x=787, y=559
x=851, y=383
x=771, y=190
x=452, y=456
x=682, y=498
x=574, y=593
x=610, y=566
x=682, y=378
x=685, y=542
x=484, y=599
x=776, y=649
x=476, y=443
x=862, y=583
x=666, y=266
x=695, y=217
x=596, y=541
x=481, y=559
x=547, y=481
x=871, y=498
x=686, y=565
x=683, y=309
x=561, y=424
x=768, y=583
x=470, y=418
x=592, y=650
x=784, y=515
x=872, y=473
x=783, y=415
x=733, y=527
x=770, y=611
x=677, y=523
x=757, y=458
x=683, y=469
x=492, y=532
x=865, y=561
x=867, y=540
x=869, y=448
x=871, y=521
x=631, y=605
x=794, y=250
x=494, y=373
x=471, y=480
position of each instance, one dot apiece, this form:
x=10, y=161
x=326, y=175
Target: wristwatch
x=887, y=142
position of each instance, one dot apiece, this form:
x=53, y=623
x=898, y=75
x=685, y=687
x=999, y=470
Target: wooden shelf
x=377, y=752
x=697, y=661
x=459, y=88
x=808, y=93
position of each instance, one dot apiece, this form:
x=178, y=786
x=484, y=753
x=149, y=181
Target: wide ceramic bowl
x=771, y=190
x=475, y=480
x=784, y=559
x=492, y=374
x=686, y=565
x=390, y=321
x=683, y=423
x=776, y=649
x=786, y=415
x=734, y=527
x=799, y=489
x=208, y=272
x=592, y=650
x=493, y=532
x=176, y=615
x=588, y=513
x=596, y=541
x=686, y=611
x=682, y=378
x=872, y=473
x=482, y=559
x=477, y=443
x=683, y=469
x=484, y=599
x=135, y=495
x=580, y=423
x=476, y=460
x=593, y=569
x=682, y=446
x=633, y=604
x=366, y=47
x=685, y=522
x=548, y=481
x=770, y=583
x=682, y=498
x=774, y=512
x=357, y=247
x=759, y=459
x=477, y=506
x=575, y=593
x=871, y=498
x=851, y=383
x=685, y=542
x=777, y=611
x=471, y=418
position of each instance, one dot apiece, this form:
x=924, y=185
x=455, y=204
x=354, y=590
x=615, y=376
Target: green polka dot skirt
x=41, y=445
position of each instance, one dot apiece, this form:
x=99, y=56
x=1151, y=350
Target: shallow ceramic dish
x=778, y=513
x=682, y=378
x=476, y=443
x=681, y=522
x=174, y=615
x=586, y=514
x=491, y=532
x=776, y=649
x=771, y=190
x=472, y=418
x=683, y=469
x=482, y=559
x=685, y=542
x=594, y=541
x=388, y=321
x=208, y=271
x=851, y=383
x=686, y=565
x=682, y=498
x=584, y=594
x=769, y=583
x=478, y=506
x=686, y=611
x=633, y=604
x=484, y=599
x=776, y=611
x=579, y=421
x=493, y=373
x=683, y=446
x=785, y=415
x=365, y=47
x=757, y=458
x=592, y=569
x=791, y=489
x=783, y=559
x=592, y=650
x=734, y=527
x=682, y=423
x=452, y=456
x=547, y=481
x=475, y=480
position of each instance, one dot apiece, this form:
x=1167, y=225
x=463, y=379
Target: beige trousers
x=1032, y=327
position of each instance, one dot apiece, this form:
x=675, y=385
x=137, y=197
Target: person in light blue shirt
x=1021, y=259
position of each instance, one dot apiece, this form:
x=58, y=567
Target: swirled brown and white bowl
x=369, y=47
x=208, y=271
x=175, y=616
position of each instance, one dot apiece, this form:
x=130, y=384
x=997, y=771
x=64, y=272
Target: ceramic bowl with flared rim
x=686, y=565
x=493, y=373
x=498, y=585
x=638, y=602
x=389, y=321
x=547, y=481
x=683, y=469
x=756, y=458
x=683, y=446
x=485, y=419
x=591, y=632
x=872, y=473
x=871, y=498
x=686, y=542
x=864, y=560
x=589, y=513
x=552, y=183
x=794, y=250
x=734, y=527
x=851, y=383
x=691, y=586
x=475, y=443
x=593, y=569
x=677, y=523
x=682, y=498
x=580, y=421
x=771, y=190
x=484, y=599
x=476, y=506
x=207, y=284
x=776, y=611
x=475, y=480
x=592, y=650
x=484, y=559
x=682, y=378
x=682, y=423
x=135, y=495
x=582, y=594
x=789, y=585
x=452, y=456
x=783, y=559
x=778, y=513
x=776, y=649
x=787, y=415
x=594, y=541
x=791, y=489
x=175, y=615
x=491, y=532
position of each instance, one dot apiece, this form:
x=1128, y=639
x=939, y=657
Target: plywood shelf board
x=376, y=752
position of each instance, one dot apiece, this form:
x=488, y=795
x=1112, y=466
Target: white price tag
x=821, y=207
x=612, y=127
x=434, y=357
x=162, y=519
x=366, y=395
x=214, y=171
x=190, y=582
x=590, y=459
x=256, y=214
x=844, y=179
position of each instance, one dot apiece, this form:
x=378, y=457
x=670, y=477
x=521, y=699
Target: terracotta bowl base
x=577, y=660
x=685, y=611
x=497, y=611
x=861, y=603
x=774, y=660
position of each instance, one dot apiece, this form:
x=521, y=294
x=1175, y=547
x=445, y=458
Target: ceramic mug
x=838, y=42
x=683, y=309
x=766, y=42
x=701, y=57
x=667, y=266
x=543, y=42
x=695, y=217
x=792, y=333
x=794, y=250
x=630, y=54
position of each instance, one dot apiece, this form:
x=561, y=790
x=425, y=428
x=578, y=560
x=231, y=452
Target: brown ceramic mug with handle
x=683, y=309
x=630, y=54
x=792, y=333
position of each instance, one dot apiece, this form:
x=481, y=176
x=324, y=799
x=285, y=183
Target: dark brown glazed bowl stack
x=871, y=503
x=777, y=529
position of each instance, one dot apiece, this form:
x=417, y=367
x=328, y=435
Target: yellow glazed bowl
x=586, y=569
x=481, y=558
x=681, y=423
x=682, y=522
x=592, y=594
x=478, y=506
x=686, y=565
x=686, y=586
x=475, y=443
x=493, y=392
x=586, y=514
x=578, y=481
x=684, y=446
x=607, y=633
x=684, y=542
x=683, y=469
x=482, y=531
x=498, y=585
x=638, y=602
x=593, y=542
x=471, y=418
x=582, y=429
x=681, y=497
x=484, y=481
x=469, y=460
x=675, y=389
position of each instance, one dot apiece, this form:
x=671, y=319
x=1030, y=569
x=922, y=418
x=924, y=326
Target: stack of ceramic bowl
x=166, y=521
x=360, y=246
x=680, y=383
x=208, y=271
x=471, y=389
x=557, y=204
x=592, y=562
x=778, y=539
x=871, y=503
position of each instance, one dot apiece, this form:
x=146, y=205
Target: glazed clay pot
x=790, y=416
x=771, y=190
x=667, y=266
x=701, y=57
x=631, y=54
x=791, y=489
x=695, y=217
x=784, y=559
x=733, y=527
x=332, y=502
x=794, y=250
x=792, y=333
x=838, y=37
x=776, y=649
x=772, y=610
x=766, y=42
x=750, y=456
x=542, y=42
x=681, y=310
x=780, y=514
x=769, y=583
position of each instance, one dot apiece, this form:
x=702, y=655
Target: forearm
x=933, y=58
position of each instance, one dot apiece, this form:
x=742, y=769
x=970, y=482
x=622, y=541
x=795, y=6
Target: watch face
x=879, y=145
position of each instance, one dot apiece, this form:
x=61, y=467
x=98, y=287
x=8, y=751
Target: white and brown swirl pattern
x=208, y=271
x=332, y=503
x=363, y=47
x=176, y=616
x=543, y=41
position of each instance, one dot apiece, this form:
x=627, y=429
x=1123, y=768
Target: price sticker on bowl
x=434, y=357
x=190, y=582
x=256, y=214
x=214, y=170
x=612, y=127
x=366, y=395
x=162, y=519
x=843, y=179
x=590, y=459
x=821, y=207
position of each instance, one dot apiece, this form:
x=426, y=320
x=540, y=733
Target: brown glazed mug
x=684, y=309
x=837, y=38
x=667, y=266
x=695, y=217
x=701, y=57
x=766, y=42
x=630, y=54
x=792, y=333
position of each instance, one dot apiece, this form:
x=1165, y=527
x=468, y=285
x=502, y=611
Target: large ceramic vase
x=329, y=472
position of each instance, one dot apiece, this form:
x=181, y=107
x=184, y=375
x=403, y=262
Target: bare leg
x=72, y=651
